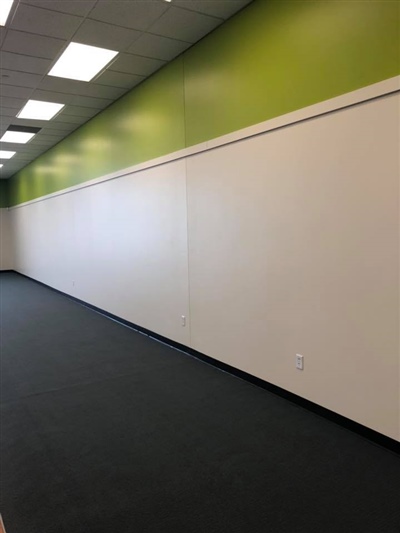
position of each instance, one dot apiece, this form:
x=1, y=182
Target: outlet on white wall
x=183, y=319
x=299, y=362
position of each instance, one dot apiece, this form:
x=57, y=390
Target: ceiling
x=146, y=33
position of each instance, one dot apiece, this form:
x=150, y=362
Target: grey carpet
x=105, y=430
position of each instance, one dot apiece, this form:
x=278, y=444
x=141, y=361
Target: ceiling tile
x=8, y=112
x=41, y=137
x=30, y=149
x=158, y=47
x=97, y=33
x=59, y=126
x=184, y=25
x=119, y=79
x=23, y=158
x=10, y=167
x=32, y=65
x=26, y=122
x=44, y=140
x=86, y=101
x=132, y=64
x=12, y=103
x=135, y=14
x=14, y=92
x=221, y=8
x=16, y=147
x=70, y=119
x=82, y=88
x=3, y=33
x=20, y=79
x=32, y=45
x=43, y=124
x=4, y=125
x=79, y=111
x=80, y=8
x=45, y=22
x=49, y=96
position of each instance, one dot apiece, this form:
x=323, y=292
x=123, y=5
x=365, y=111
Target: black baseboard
x=355, y=427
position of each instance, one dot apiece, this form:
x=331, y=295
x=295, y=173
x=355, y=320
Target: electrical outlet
x=299, y=362
x=183, y=319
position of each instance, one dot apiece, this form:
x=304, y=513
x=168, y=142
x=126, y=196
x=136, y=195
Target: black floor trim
x=370, y=434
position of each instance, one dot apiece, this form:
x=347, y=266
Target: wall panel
x=283, y=243
x=121, y=246
x=6, y=241
x=294, y=248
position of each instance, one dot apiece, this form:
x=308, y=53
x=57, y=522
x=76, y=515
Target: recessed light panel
x=1, y=165
x=5, y=8
x=82, y=62
x=19, y=137
x=19, y=134
x=38, y=110
x=5, y=154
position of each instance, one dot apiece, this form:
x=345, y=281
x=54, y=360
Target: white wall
x=284, y=243
x=121, y=246
x=294, y=248
x=6, y=252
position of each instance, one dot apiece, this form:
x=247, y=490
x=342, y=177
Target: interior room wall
x=282, y=243
x=6, y=241
x=294, y=249
x=121, y=246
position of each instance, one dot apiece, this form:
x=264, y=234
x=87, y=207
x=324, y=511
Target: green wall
x=4, y=193
x=272, y=58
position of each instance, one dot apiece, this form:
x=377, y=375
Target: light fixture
x=38, y=110
x=19, y=134
x=1, y=165
x=5, y=8
x=81, y=62
x=5, y=154
x=19, y=137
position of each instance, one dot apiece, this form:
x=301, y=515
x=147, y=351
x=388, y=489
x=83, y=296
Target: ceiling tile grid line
x=146, y=34
x=206, y=7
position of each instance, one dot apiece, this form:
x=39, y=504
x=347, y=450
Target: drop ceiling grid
x=146, y=34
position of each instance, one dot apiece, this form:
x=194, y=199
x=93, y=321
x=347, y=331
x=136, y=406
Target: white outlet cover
x=299, y=362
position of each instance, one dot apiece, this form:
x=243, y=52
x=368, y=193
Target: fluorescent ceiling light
x=5, y=154
x=82, y=62
x=1, y=165
x=38, y=110
x=20, y=137
x=5, y=8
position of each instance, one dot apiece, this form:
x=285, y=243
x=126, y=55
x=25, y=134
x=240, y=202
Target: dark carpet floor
x=105, y=430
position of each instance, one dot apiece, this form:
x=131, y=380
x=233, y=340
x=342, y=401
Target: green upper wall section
x=4, y=193
x=146, y=123
x=274, y=57
x=279, y=56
